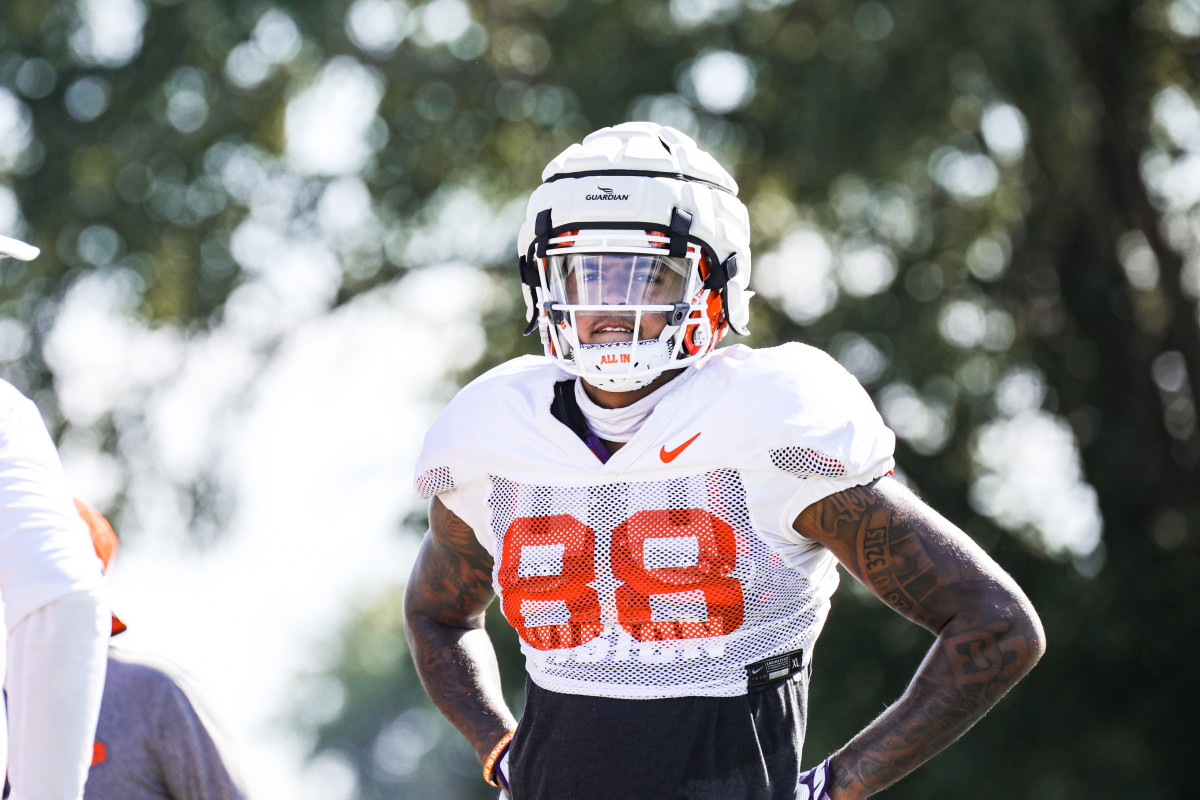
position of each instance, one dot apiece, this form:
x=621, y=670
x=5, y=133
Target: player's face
x=622, y=280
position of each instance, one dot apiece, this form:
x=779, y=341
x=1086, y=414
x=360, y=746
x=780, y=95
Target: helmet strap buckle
x=681, y=225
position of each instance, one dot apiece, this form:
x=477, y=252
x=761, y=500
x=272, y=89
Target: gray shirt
x=152, y=742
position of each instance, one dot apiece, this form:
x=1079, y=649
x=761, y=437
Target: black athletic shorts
x=576, y=747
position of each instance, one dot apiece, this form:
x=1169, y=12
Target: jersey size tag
x=775, y=668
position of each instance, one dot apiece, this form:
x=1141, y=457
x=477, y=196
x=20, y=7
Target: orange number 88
x=704, y=546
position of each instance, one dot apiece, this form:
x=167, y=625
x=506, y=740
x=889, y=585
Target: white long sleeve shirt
x=55, y=613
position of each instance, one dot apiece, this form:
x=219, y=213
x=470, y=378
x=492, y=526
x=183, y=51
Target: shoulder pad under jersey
x=484, y=422
x=798, y=404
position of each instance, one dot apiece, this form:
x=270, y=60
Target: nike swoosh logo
x=668, y=456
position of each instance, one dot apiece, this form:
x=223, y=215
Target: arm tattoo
x=452, y=578
x=923, y=567
x=444, y=604
x=887, y=553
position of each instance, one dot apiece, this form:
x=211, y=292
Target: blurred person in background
x=663, y=521
x=155, y=740
x=55, y=607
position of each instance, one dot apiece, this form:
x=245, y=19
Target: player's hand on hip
x=813, y=783
x=501, y=774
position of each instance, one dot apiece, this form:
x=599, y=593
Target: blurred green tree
x=986, y=210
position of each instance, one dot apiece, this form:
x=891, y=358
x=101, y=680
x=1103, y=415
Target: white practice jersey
x=45, y=550
x=667, y=570
x=56, y=618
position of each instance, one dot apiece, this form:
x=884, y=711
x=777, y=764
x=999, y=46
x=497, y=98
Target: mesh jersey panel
x=805, y=462
x=434, y=481
x=644, y=589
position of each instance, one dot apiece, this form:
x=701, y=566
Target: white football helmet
x=17, y=249
x=634, y=256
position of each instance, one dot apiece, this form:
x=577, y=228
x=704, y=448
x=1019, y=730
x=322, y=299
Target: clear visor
x=599, y=279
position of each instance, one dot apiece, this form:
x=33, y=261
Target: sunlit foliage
x=988, y=211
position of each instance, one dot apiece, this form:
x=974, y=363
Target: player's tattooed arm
x=444, y=603
x=988, y=634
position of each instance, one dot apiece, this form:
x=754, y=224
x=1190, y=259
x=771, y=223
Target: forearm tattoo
x=447, y=595
x=933, y=574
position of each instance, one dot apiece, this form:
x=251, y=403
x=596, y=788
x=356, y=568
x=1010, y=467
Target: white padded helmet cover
x=641, y=146
x=686, y=177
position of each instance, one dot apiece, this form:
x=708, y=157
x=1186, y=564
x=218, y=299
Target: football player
x=662, y=520
x=55, y=610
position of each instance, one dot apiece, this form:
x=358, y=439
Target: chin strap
x=531, y=282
